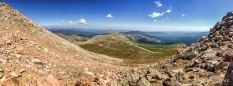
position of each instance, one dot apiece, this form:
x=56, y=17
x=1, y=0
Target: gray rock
x=210, y=67
x=133, y=79
x=143, y=82
x=171, y=82
x=217, y=67
x=170, y=73
x=155, y=73
x=188, y=69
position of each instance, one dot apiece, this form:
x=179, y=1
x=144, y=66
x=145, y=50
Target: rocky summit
x=32, y=56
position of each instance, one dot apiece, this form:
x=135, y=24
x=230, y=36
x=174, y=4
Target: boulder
x=226, y=38
x=47, y=81
x=218, y=37
x=231, y=33
x=21, y=71
x=133, y=79
x=170, y=73
x=177, y=70
x=223, y=64
x=203, y=38
x=37, y=61
x=143, y=82
x=13, y=74
x=210, y=67
x=20, y=50
x=10, y=82
x=209, y=53
x=225, y=47
x=217, y=66
x=171, y=82
x=155, y=73
x=188, y=70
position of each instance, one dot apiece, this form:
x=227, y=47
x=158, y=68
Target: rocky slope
x=32, y=56
x=203, y=62
x=12, y=20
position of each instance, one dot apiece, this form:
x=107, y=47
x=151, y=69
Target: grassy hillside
x=120, y=46
x=132, y=53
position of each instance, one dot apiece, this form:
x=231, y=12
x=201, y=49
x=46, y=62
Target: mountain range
x=172, y=37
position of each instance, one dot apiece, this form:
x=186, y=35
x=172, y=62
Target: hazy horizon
x=120, y=29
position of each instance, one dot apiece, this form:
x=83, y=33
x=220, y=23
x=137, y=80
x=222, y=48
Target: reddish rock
x=218, y=37
x=226, y=38
x=10, y=82
x=20, y=50
x=47, y=81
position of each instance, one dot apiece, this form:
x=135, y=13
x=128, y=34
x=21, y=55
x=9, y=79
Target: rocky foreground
x=32, y=56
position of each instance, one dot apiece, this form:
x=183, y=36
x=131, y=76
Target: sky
x=143, y=15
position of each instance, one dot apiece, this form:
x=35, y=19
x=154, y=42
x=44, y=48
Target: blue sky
x=144, y=15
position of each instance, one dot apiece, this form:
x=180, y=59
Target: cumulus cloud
x=158, y=3
x=80, y=21
x=155, y=20
x=169, y=10
x=109, y=16
x=156, y=14
x=183, y=15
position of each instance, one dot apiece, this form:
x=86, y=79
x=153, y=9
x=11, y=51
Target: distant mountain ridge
x=143, y=39
x=172, y=37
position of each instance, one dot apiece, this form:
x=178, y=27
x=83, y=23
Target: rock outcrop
x=204, y=63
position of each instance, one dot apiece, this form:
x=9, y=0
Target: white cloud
x=155, y=14
x=167, y=18
x=109, y=16
x=183, y=15
x=80, y=21
x=158, y=3
x=62, y=21
x=155, y=20
x=169, y=10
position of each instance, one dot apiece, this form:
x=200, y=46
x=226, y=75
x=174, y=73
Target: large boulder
x=47, y=81
x=143, y=82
